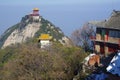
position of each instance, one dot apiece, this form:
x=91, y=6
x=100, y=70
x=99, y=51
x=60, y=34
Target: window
x=102, y=34
x=98, y=30
x=115, y=34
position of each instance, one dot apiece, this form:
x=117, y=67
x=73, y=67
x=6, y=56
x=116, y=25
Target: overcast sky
x=66, y=14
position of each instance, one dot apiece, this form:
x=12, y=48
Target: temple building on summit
x=35, y=14
x=107, y=34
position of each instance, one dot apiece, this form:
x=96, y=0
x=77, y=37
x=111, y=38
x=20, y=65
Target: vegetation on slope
x=44, y=28
x=7, y=33
x=49, y=29
x=28, y=62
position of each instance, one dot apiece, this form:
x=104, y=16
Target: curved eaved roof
x=113, y=22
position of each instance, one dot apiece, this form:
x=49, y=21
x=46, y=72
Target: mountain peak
x=31, y=26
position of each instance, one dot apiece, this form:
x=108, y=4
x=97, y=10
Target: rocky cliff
x=31, y=27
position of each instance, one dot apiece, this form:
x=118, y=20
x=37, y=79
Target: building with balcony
x=107, y=34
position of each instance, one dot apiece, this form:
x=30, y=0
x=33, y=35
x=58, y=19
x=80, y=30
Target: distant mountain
x=32, y=26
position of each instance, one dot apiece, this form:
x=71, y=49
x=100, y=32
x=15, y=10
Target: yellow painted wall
x=97, y=48
x=106, y=50
x=98, y=37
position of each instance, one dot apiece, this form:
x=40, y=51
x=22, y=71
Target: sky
x=69, y=15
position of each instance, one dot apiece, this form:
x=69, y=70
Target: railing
x=107, y=39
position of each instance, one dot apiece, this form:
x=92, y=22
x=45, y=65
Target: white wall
x=44, y=43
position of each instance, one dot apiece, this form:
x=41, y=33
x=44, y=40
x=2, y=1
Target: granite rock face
x=31, y=27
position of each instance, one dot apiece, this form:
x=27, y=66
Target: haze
x=66, y=14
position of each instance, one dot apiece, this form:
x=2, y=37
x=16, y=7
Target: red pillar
x=107, y=33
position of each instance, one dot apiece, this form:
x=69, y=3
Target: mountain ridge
x=31, y=27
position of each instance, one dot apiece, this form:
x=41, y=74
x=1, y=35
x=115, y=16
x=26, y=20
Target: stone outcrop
x=19, y=36
x=32, y=27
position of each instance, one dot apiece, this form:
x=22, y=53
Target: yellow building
x=44, y=40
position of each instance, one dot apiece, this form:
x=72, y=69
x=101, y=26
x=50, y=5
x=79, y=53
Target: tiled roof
x=37, y=9
x=113, y=22
x=45, y=37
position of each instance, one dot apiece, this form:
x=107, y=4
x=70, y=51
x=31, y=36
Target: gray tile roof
x=113, y=22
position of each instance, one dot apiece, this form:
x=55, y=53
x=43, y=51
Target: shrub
x=32, y=63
